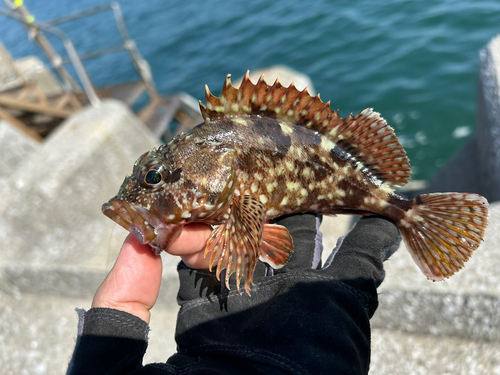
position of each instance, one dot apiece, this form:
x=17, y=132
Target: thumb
x=133, y=283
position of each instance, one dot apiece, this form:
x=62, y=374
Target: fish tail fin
x=442, y=230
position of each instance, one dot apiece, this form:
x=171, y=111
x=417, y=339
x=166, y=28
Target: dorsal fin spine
x=365, y=136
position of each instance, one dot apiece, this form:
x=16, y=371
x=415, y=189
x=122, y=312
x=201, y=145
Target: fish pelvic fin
x=276, y=245
x=365, y=136
x=235, y=244
x=442, y=230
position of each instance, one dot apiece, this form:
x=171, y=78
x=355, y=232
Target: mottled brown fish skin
x=263, y=152
x=291, y=169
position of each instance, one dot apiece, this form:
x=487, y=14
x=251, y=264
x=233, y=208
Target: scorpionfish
x=266, y=151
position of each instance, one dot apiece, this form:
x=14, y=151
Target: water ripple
x=398, y=56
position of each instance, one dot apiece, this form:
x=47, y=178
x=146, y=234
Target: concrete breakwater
x=56, y=248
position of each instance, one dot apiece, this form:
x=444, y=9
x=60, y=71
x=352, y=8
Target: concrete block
x=38, y=335
x=406, y=354
x=53, y=235
x=8, y=75
x=34, y=70
x=488, y=120
x=15, y=148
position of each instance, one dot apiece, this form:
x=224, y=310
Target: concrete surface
x=31, y=69
x=53, y=236
x=34, y=70
x=8, y=75
x=14, y=148
x=399, y=353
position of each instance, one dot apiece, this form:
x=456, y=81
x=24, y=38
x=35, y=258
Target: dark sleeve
x=110, y=342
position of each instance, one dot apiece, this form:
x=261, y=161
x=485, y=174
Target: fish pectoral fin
x=276, y=245
x=235, y=244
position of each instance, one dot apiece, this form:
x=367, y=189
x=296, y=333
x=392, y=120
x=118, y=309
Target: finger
x=190, y=245
x=134, y=282
x=193, y=239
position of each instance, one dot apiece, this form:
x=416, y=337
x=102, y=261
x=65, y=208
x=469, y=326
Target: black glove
x=305, y=318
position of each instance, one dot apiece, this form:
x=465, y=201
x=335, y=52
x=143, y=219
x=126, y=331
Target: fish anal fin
x=235, y=244
x=276, y=245
x=442, y=230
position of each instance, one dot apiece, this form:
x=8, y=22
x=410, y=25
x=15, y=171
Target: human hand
x=134, y=282
x=304, y=318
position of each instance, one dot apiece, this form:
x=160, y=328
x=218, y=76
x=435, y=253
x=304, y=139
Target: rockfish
x=266, y=151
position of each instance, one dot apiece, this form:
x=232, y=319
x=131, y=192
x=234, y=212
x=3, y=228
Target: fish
x=264, y=151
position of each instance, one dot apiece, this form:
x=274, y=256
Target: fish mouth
x=147, y=227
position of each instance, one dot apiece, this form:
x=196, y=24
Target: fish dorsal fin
x=366, y=136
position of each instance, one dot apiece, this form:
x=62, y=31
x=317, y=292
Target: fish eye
x=153, y=177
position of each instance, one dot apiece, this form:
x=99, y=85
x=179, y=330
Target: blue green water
x=413, y=61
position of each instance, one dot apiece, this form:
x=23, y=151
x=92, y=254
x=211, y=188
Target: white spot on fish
x=170, y=217
x=404, y=223
x=272, y=212
x=300, y=153
x=304, y=192
x=327, y=144
x=241, y=121
x=270, y=187
x=285, y=128
x=289, y=165
x=263, y=199
x=382, y=203
x=186, y=215
x=292, y=186
x=284, y=201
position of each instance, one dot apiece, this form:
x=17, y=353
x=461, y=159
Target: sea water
x=413, y=61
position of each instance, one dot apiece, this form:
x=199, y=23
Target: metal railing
x=20, y=13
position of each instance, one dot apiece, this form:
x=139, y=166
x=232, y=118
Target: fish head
x=170, y=188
